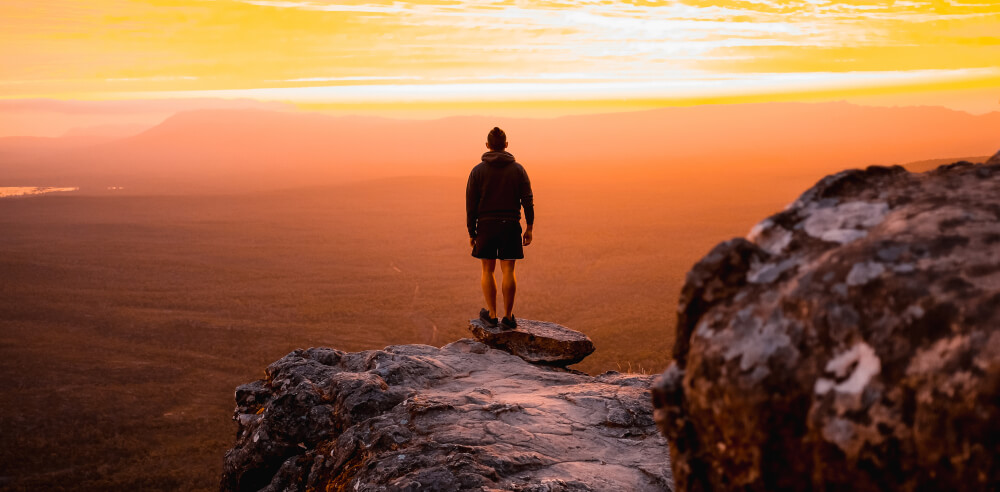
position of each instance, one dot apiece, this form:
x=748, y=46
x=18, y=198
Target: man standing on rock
x=498, y=187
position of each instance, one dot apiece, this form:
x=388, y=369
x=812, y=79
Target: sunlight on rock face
x=845, y=222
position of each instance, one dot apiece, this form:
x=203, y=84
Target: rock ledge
x=460, y=417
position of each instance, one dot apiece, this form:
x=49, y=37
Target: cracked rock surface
x=851, y=342
x=540, y=342
x=461, y=417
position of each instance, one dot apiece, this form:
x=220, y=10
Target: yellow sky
x=356, y=54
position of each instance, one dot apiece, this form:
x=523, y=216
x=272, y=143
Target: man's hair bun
x=497, y=139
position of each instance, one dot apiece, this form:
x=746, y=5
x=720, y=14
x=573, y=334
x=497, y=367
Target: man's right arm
x=528, y=203
x=471, y=203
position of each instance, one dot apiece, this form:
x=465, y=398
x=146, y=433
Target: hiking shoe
x=484, y=316
x=508, y=323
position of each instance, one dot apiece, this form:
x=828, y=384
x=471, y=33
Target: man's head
x=496, y=140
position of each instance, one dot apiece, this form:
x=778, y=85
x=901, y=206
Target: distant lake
x=9, y=191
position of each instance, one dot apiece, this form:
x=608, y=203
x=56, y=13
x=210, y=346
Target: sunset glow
x=318, y=53
x=191, y=190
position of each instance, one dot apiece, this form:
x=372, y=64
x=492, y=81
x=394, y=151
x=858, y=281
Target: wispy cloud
x=678, y=34
x=134, y=105
x=680, y=86
x=157, y=78
x=471, y=46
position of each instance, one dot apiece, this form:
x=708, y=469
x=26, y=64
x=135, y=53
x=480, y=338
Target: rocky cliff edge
x=460, y=417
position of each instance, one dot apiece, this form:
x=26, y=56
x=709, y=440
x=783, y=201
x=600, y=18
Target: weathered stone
x=994, y=160
x=852, y=342
x=460, y=417
x=539, y=342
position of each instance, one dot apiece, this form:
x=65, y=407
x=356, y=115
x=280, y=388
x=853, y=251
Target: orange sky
x=535, y=58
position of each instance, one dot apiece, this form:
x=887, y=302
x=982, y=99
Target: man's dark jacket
x=498, y=188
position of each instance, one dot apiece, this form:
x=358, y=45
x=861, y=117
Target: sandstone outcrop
x=539, y=342
x=851, y=342
x=461, y=417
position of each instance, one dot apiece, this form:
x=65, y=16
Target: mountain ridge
x=257, y=149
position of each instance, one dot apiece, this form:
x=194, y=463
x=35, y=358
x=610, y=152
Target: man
x=498, y=188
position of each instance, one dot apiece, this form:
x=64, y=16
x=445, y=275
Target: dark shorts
x=498, y=239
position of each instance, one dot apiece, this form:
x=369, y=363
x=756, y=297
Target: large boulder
x=539, y=342
x=460, y=417
x=851, y=342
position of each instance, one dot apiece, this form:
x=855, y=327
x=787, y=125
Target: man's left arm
x=471, y=206
x=528, y=203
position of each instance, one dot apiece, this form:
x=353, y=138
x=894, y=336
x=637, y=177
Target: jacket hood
x=498, y=158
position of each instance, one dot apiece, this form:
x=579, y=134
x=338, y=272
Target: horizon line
x=78, y=107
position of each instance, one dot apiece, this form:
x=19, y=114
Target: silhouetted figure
x=498, y=188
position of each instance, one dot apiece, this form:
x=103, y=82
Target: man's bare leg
x=490, y=286
x=509, y=286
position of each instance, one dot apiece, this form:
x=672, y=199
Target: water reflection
x=9, y=191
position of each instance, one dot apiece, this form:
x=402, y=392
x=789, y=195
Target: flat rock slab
x=538, y=342
x=460, y=417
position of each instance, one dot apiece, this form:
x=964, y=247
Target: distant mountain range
x=255, y=149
